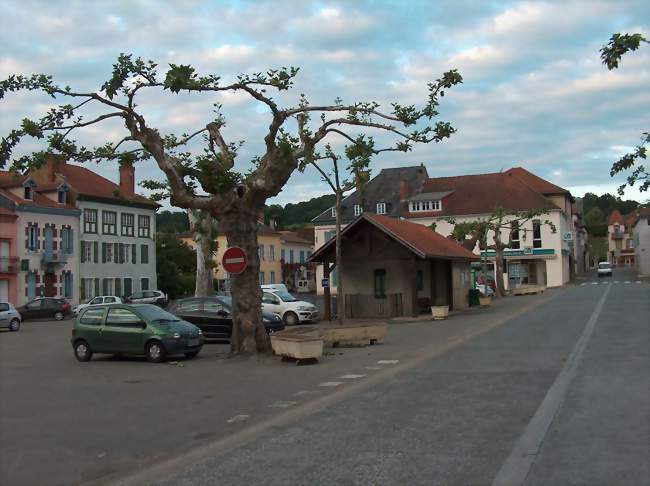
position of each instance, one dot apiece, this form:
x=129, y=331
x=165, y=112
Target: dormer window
x=423, y=206
x=381, y=208
x=61, y=196
x=28, y=192
x=358, y=210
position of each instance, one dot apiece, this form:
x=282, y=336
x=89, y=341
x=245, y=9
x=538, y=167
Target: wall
x=461, y=283
x=296, y=248
x=642, y=245
x=267, y=264
x=9, y=233
x=319, y=240
x=91, y=270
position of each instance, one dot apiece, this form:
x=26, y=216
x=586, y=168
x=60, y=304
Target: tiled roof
x=292, y=237
x=38, y=200
x=384, y=187
x=640, y=213
x=419, y=239
x=540, y=185
x=7, y=212
x=483, y=193
x=615, y=217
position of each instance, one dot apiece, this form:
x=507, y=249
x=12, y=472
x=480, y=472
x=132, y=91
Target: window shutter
x=83, y=251
x=38, y=237
x=134, y=254
x=70, y=241
x=96, y=286
x=122, y=253
x=96, y=251
x=118, y=287
x=116, y=253
x=105, y=286
x=83, y=288
x=103, y=252
x=27, y=235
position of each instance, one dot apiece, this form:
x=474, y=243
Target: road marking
x=583, y=284
x=516, y=468
x=331, y=383
x=627, y=281
x=616, y=281
x=373, y=367
x=306, y=392
x=281, y=404
x=351, y=377
x=594, y=283
x=638, y=281
x=238, y=418
x=388, y=361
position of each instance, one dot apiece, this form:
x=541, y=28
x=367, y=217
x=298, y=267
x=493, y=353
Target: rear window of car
x=92, y=317
x=189, y=305
x=4, y=307
x=603, y=265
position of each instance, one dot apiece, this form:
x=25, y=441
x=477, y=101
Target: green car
x=139, y=329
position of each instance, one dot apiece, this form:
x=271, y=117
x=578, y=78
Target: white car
x=275, y=287
x=604, y=269
x=149, y=297
x=99, y=300
x=292, y=310
x=485, y=289
x=10, y=318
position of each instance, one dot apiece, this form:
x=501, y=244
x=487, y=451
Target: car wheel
x=291, y=319
x=191, y=355
x=14, y=325
x=82, y=351
x=58, y=316
x=155, y=352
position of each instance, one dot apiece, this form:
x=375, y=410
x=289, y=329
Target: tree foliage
x=298, y=214
x=172, y=222
x=611, y=54
x=175, y=265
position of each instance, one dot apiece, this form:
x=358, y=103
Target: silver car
x=9, y=317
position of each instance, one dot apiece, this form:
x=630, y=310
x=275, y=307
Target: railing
x=52, y=257
x=9, y=264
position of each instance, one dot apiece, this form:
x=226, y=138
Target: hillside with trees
x=598, y=208
x=293, y=216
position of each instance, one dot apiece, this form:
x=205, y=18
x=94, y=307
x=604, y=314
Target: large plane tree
x=209, y=180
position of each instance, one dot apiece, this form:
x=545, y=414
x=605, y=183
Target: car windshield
x=285, y=296
x=226, y=300
x=603, y=265
x=156, y=314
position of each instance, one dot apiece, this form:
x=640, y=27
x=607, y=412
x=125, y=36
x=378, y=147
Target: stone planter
x=439, y=312
x=354, y=333
x=297, y=346
x=485, y=301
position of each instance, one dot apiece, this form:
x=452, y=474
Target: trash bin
x=474, y=294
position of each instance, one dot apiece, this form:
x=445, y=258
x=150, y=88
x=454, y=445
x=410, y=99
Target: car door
x=217, y=318
x=190, y=310
x=91, y=328
x=32, y=309
x=49, y=307
x=123, y=331
x=5, y=314
x=271, y=303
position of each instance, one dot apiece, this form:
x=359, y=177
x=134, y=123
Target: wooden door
x=48, y=281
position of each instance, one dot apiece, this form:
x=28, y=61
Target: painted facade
x=620, y=240
x=641, y=235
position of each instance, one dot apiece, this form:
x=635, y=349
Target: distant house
x=38, y=241
x=385, y=194
x=537, y=256
x=621, y=251
x=297, y=274
x=641, y=236
x=392, y=267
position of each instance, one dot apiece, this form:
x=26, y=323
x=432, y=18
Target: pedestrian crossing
x=608, y=282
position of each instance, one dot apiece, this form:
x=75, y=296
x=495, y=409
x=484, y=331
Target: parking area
x=90, y=421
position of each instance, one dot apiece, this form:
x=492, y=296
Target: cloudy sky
x=535, y=93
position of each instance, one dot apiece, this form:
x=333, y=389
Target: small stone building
x=392, y=267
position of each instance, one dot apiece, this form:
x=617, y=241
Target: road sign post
x=234, y=260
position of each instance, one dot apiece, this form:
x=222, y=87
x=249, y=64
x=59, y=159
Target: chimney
x=54, y=165
x=127, y=179
x=403, y=190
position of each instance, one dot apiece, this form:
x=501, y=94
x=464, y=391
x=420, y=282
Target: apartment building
x=620, y=241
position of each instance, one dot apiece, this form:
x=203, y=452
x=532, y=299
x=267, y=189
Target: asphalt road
x=459, y=418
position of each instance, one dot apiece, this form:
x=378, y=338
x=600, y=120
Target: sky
x=535, y=93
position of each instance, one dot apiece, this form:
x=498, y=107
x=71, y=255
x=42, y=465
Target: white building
x=641, y=231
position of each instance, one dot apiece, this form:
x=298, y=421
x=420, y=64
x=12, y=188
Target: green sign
x=24, y=265
x=517, y=253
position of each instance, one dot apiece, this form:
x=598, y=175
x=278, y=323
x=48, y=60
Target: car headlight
x=176, y=335
x=200, y=332
x=304, y=308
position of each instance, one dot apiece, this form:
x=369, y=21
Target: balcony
x=9, y=265
x=54, y=258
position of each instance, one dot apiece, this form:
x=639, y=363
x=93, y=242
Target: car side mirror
x=223, y=313
x=142, y=325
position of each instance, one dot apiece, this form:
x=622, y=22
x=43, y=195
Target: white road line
x=388, y=361
x=281, y=404
x=306, y=392
x=616, y=281
x=237, y=418
x=594, y=283
x=351, y=377
x=638, y=281
x=627, y=282
x=373, y=367
x=517, y=466
x=583, y=284
x=331, y=383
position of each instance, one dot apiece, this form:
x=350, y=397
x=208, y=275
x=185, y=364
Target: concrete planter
x=297, y=346
x=485, y=301
x=354, y=333
x=439, y=312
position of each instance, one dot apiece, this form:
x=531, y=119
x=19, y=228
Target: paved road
x=458, y=418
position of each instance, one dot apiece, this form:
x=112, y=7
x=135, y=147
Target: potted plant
x=485, y=300
x=439, y=311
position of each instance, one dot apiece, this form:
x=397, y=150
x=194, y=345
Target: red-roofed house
x=392, y=267
x=9, y=260
x=620, y=239
x=538, y=255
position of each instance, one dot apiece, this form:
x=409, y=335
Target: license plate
x=193, y=342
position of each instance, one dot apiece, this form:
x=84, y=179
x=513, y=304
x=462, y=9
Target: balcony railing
x=54, y=258
x=9, y=264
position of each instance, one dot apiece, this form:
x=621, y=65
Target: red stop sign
x=234, y=260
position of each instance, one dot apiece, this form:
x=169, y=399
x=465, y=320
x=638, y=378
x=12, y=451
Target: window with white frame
x=128, y=221
x=28, y=193
x=514, y=228
x=272, y=253
x=62, y=195
x=88, y=251
x=381, y=208
x=144, y=226
x=421, y=206
x=537, y=234
x=90, y=221
x=109, y=222
x=260, y=252
x=358, y=210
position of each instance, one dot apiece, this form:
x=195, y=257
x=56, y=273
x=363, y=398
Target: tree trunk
x=340, y=296
x=248, y=332
x=201, y=225
x=498, y=271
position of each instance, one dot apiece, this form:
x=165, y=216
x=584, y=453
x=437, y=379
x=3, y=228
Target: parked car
x=46, y=308
x=99, y=300
x=10, y=318
x=213, y=315
x=149, y=297
x=292, y=310
x=275, y=287
x=604, y=269
x=142, y=329
x=485, y=289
